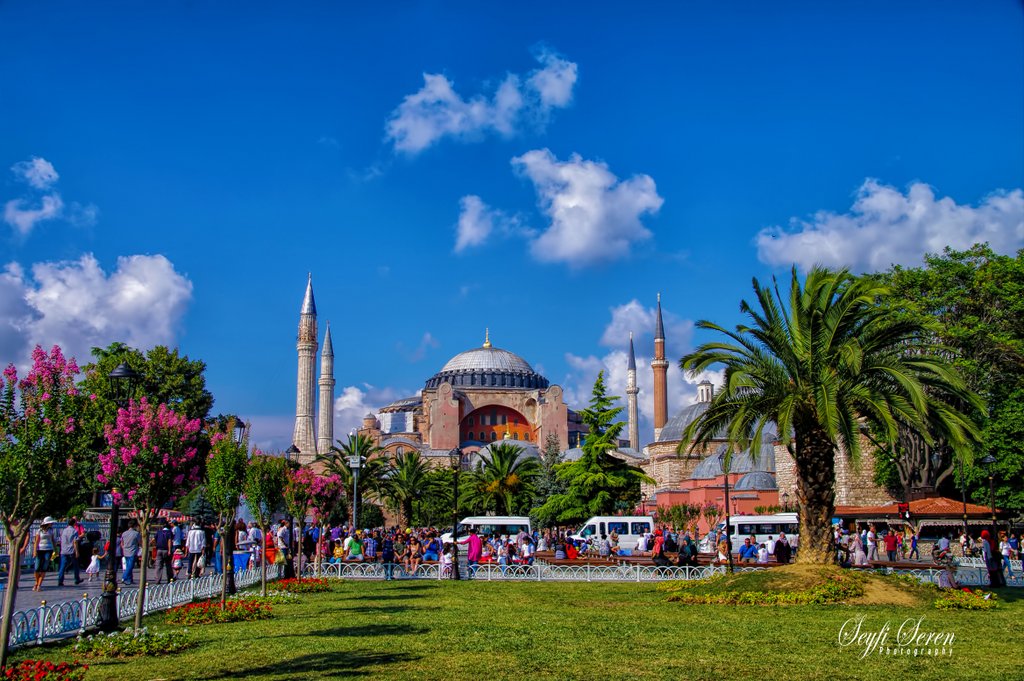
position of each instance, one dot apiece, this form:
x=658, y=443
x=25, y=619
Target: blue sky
x=169, y=174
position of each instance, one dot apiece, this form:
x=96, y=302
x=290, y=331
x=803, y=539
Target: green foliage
x=976, y=300
x=372, y=474
x=547, y=483
x=305, y=585
x=679, y=516
x=408, y=481
x=817, y=365
x=501, y=482
x=836, y=588
x=134, y=642
x=275, y=597
x=264, y=486
x=598, y=483
x=226, y=470
x=435, y=508
x=197, y=505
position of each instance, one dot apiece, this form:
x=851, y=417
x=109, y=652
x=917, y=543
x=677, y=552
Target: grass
x=431, y=630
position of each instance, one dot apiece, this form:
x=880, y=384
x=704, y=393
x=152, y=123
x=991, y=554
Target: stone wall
x=855, y=485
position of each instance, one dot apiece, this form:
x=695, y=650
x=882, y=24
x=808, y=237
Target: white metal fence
x=66, y=618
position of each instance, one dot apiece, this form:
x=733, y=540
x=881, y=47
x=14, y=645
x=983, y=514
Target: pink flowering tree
x=298, y=499
x=40, y=454
x=327, y=494
x=151, y=461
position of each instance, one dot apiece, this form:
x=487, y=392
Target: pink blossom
x=92, y=396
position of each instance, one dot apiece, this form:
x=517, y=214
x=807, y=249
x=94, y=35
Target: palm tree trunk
x=816, y=493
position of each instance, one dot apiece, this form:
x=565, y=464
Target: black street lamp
x=455, y=461
x=355, y=462
x=229, y=530
x=963, y=494
x=988, y=463
x=728, y=519
x=122, y=384
x=785, y=502
x=292, y=454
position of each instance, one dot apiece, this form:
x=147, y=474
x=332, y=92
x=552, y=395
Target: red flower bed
x=210, y=612
x=309, y=585
x=41, y=670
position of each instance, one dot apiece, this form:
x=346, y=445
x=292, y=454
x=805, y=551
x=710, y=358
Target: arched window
x=515, y=436
x=400, y=450
x=494, y=436
x=526, y=436
x=504, y=419
x=470, y=421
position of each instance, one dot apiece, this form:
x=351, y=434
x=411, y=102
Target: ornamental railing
x=51, y=621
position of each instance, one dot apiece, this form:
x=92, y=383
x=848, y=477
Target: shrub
x=210, y=612
x=309, y=585
x=836, y=589
x=42, y=670
x=132, y=642
x=684, y=584
x=965, y=600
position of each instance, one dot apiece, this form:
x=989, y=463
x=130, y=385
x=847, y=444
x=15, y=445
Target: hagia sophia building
x=486, y=394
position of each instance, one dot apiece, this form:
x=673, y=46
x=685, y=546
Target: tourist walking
x=195, y=543
x=42, y=551
x=130, y=541
x=164, y=553
x=69, y=551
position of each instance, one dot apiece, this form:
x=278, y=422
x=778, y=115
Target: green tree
x=501, y=481
x=408, y=481
x=547, y=482
x=264, y=496
x=598, y=483
x=40, y=449
x=435, y=508
x=372, y=474
x=225, y=475
x=821, y=365
x=976, y=298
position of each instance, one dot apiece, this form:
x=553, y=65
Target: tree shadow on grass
x=384, y=597
x=371, y=630
x=325, y=665
x=384, y=609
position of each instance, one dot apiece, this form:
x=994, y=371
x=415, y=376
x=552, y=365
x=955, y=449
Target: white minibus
x=487, y=525
x=760, y=526
x=629, y=528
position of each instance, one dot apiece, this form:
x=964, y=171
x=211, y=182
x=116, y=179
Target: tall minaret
x=305, y=395
x=325, y=423
x=631, y=393
x=660, y=366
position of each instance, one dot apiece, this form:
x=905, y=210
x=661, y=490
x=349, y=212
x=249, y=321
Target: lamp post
x=988, y=463
x=455, y=460
x=292, y=453
x=785, y=502
x=229, y=531
x=643, y=504
x=355, y=462
x=728, y=520
x=122, y=383
x=963, y=492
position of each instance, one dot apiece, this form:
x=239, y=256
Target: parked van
x=487, y=525
x=760, y=526
x=629, y=528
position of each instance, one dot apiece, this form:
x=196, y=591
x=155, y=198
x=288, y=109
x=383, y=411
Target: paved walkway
x=51, y=593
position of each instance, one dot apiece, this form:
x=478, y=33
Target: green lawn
x=440, y=630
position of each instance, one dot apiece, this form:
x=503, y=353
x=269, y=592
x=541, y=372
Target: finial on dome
x=487, y=337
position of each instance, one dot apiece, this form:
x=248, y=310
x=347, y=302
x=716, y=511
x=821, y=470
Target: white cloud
x=436, y=110
x=478, y=221
x=37, y=172
x=23, y=218
x=632, y=316
x=355, y=402
x=885, y=227
x=77, y=305
x=24, y=213
x=594, y=216
x=427, y=342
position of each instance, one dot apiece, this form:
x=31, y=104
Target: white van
x=760, y=526
x=487, y=525
x=629, y=528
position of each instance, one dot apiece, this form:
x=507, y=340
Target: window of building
x=470, y=421
x=526, y=436
x=494, y=436
x=400, y=450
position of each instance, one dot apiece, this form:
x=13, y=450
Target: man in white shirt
x=256, y=542
x=872, y=544
x=195, y=542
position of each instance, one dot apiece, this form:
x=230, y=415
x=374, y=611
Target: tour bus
x=629, y=528
x=760, y=526
x=487, y=525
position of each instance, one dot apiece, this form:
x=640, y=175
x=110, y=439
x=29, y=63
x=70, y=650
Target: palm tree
x=502, y=480
x=832, y=364
x=372, y=474
x=407, y=480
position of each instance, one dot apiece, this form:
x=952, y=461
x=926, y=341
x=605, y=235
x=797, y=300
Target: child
x=446, y=560
x=94, y=565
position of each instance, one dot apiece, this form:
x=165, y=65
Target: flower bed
x=42, y=670
x=309, y=585
x=132, y=642
x=210, y=612
x=965, y=600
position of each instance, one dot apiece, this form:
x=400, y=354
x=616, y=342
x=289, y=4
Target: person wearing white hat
x=42, y=550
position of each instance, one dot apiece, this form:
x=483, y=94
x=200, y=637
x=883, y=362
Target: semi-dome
x=756, y=480
x=488, y=367
x=527, y=450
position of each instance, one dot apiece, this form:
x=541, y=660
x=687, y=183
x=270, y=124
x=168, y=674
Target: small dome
x=756, y=480
x=574, y=454
x=673, y=430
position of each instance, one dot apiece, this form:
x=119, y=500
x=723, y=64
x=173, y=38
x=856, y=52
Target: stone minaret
x=660, y=366
x=631, y=393
x=325, y=422
x=306, y=388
